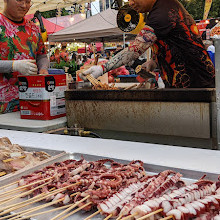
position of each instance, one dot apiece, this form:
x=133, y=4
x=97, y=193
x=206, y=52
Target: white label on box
x=59, y=108
x=25, y=112
x=53, y=101
x=34, y=93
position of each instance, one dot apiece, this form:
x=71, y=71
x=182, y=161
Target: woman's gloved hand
x=95, y=71
x=25, y=67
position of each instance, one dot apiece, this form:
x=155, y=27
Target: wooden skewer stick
x=23, y=187
x=129, y=216
x=130, y=87
x=119, y=217
x=169, y=217
x=74, y=194
x=11, y=159
x=24, y=194
x=52, y=189
x=108, y=217
x=2, y=173
x=18, y=206
x=92, y=80
x=35, y=199
x=5, y=197
x=76, y=210
x=10, y=184
x=48, y=211
x=23, y=213
x=70, y=208
x=94, y=214
x=150, y=214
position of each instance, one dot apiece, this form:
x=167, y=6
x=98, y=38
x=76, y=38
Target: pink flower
x=30, y=26
x=10, y=29
x=4, y=50
x=8, y=92
x=22, y=56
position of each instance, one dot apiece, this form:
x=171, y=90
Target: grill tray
x=189, y=176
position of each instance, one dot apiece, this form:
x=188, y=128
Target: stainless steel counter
x=162, y=155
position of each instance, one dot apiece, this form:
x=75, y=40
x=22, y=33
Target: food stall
x=111, y=179
x=170, y=117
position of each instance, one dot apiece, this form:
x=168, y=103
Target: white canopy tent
x=46, y=5
x=100, y=27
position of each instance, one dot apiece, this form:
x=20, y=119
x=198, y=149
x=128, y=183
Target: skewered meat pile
x=124, y=191
x=13, y=157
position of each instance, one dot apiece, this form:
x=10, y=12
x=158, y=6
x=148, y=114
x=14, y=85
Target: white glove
x=25, y=67
x=95, y=71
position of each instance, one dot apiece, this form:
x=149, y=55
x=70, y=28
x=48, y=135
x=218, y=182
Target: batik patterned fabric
x=18, y=41
x=181, y=55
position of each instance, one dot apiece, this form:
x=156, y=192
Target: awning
x=68, y=20
x=50, y=26
x=96, y=28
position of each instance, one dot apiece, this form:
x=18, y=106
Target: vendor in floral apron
x=22, y=51
x=174, y=38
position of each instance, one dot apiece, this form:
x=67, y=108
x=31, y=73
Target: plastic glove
x=95, y=71
x=25, y=67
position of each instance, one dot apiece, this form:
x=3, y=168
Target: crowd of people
x=61, y=58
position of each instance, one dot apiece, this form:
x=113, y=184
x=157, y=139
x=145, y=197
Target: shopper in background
x=74, y=56
x=211, y=51
x=22, y=51
x=118, y=49
x=64, y=54
x=84, y=59
x=79, y=60
x=108, y=55
x=88, y=54
x=57, y=55
x=174, y=37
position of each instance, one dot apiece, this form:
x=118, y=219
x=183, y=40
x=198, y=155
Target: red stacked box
x=41, y=97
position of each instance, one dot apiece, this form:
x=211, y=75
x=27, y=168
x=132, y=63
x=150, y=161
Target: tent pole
x=124, y=39
x=217, y=85
x=103, y=42
x=49, y=52
x=85, y=48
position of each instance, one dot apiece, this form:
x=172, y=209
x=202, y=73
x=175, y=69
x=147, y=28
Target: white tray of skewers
x=77, y=187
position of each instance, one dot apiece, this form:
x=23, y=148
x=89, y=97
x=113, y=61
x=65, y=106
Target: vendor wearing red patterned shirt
x=22, y=51
x=174, y=38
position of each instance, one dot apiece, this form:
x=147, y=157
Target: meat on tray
x=13, y=157
x=123, y=191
